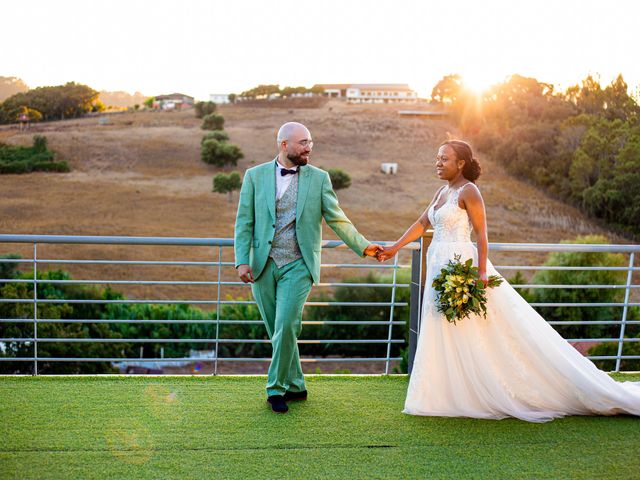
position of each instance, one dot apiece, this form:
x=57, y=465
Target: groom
x=278, y=235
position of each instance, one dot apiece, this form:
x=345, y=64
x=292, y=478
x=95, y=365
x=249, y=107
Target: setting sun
x=478, y=82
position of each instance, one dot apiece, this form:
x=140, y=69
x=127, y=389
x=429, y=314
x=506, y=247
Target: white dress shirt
x=282, y=182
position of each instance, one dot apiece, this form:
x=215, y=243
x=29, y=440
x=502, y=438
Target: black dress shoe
x=277, y=403
x=288, y=396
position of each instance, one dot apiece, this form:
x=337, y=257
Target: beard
x=297, y=159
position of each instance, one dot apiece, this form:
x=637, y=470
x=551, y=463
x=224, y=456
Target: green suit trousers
x=280, y=294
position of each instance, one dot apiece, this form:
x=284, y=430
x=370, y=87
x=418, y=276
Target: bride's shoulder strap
x=475, y=187
x=436, y=197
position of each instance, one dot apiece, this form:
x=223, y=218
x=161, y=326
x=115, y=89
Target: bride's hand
x=387, y=253
x=483, y=277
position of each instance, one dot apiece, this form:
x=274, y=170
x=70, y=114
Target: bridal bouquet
x=460, y=290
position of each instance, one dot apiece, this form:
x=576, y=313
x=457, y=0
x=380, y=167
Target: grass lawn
x=220, y=427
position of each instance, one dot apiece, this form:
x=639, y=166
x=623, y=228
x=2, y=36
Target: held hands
x=386, y=253
x=381, y=253
x=373, y=250
x=245, y=273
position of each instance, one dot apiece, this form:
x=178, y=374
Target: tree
x=54, y=103
x=220, y=154
x=229, y=153
x=579, y=295
x=232, y=97
x=261, y=91
x=148, y=103
x=618, y=103
x=213, y=121
x=209, y=151
x=447, y=90
x=204, y=108
x=223, y=183
x=98, y=106
x=218, y=135
x=339, y=178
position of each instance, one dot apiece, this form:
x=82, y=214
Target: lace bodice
x=450, y=222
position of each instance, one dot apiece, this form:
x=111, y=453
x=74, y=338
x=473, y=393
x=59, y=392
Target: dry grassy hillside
x=141, y=175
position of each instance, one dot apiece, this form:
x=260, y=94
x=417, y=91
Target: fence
x=222, y=269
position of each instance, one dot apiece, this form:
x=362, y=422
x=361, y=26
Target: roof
x=334, y=86
x=173, y=96
x=403, y=87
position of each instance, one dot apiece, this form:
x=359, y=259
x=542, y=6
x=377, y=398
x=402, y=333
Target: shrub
x=339, y=178
x=218, y=135
x=18, y=159
x=223, y=183
x=229, y=153
x=580, y=295
x=204, y=108
x=209, y=151
x=628, y=348
x=39, y=143
x=213, y=121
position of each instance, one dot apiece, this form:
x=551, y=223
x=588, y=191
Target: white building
x=175, y=101
x=381, y=93
x=219, y=98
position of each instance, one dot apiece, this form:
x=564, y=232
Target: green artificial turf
x=220, y=427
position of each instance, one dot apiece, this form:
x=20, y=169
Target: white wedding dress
x=510, y=364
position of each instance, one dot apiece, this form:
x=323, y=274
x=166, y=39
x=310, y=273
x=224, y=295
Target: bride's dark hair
x=471, y=170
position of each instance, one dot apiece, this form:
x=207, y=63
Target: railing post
x=215, y=365
x=393, y=301
x=418, y=273
x=625, y=309
x=35, y=309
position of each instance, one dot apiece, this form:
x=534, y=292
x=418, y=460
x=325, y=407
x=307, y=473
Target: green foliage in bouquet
x=460, y=290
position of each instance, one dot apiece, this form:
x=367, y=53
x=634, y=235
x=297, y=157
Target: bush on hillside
x=220, y=154
x=339, y=178
x=581, y=295
x=19, y=159
x=223, y=183
x=204, y=108
x=213, y=121
x=218, y=135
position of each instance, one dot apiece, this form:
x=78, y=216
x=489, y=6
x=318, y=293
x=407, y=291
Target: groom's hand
x=245, y=273
x=373, y=249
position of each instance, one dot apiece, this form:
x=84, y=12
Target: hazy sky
x=200, y=47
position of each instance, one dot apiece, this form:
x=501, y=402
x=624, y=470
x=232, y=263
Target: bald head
x=292, y=129
x=294, y=144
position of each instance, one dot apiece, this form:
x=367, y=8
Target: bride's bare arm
x=474, y=204
x=415, y=231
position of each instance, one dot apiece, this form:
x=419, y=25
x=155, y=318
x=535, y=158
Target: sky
x=199, y=47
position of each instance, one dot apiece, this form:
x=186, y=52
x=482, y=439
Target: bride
x=511, y=363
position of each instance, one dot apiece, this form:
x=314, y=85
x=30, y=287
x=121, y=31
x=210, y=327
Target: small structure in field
x=389, y=168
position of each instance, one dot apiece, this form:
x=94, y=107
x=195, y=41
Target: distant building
x=219, y=98
x=389, y=168
x=371, y=92
x=335, y=90
x=175, y=101
x=381, y=93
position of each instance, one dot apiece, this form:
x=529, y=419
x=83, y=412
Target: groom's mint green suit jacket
x=256, y=217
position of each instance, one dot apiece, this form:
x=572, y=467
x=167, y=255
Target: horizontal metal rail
x=196, y=359
x=217, y=263
x=189, y=340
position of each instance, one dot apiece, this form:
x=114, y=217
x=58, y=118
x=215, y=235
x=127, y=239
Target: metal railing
x=218, y=283
x=37, y=261
x=419, y=270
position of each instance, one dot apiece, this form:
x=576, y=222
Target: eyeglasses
x=306, y=143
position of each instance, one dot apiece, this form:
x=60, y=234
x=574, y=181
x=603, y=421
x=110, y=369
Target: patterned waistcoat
x=284, y=248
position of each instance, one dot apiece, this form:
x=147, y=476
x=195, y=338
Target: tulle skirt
x=510, y=364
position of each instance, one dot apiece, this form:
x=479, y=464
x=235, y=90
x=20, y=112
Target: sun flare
x=477, y=82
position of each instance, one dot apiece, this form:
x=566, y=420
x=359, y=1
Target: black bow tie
x=284, y=171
